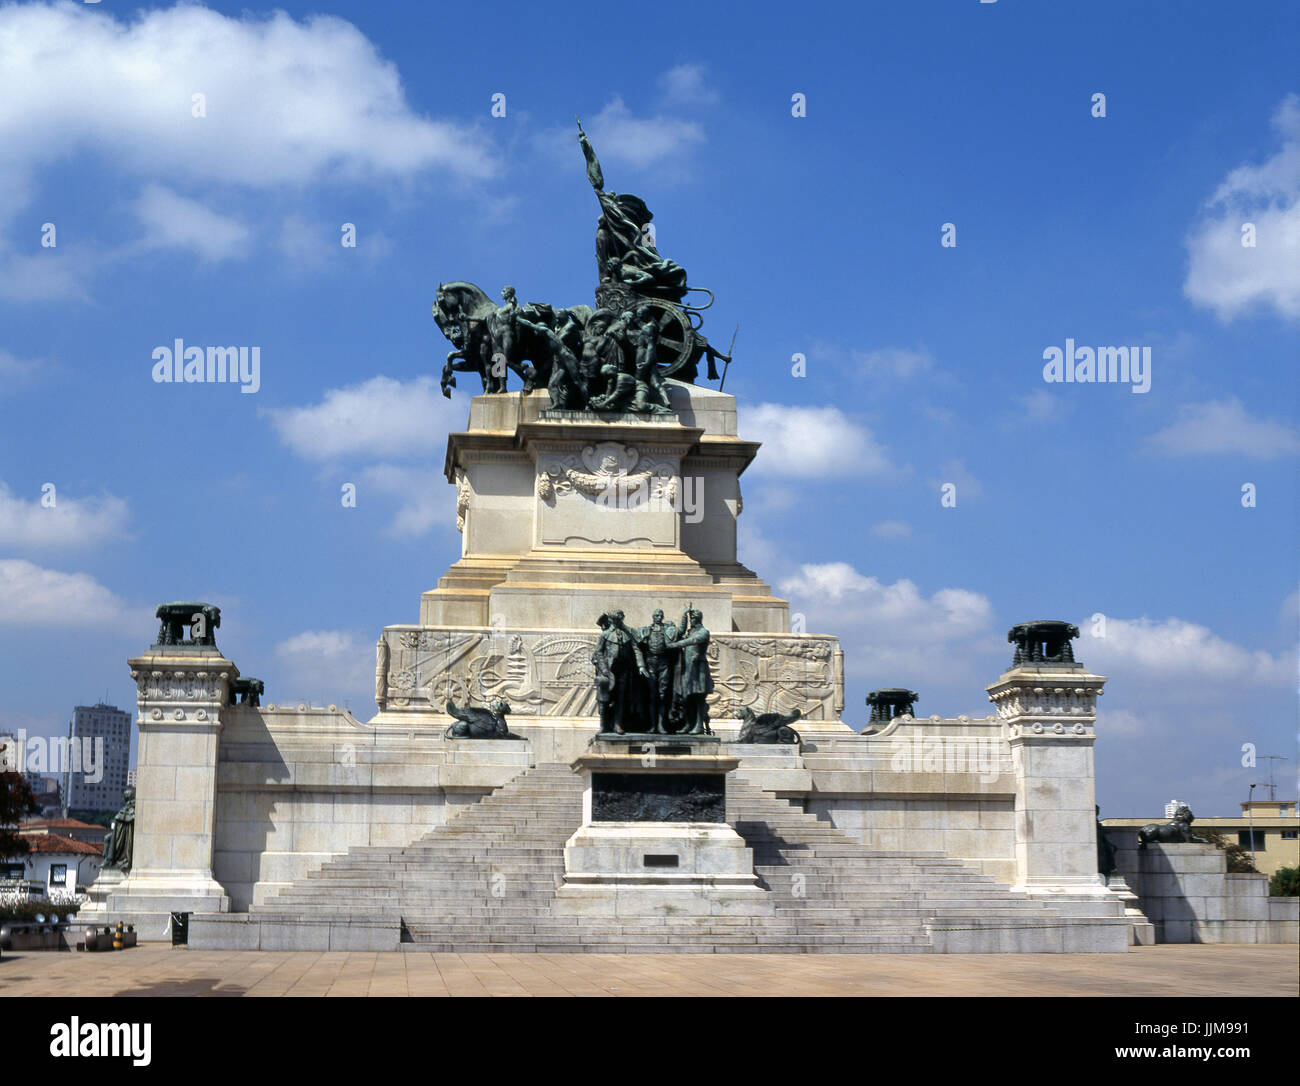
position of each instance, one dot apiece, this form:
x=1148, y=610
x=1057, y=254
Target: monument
x=674, y=769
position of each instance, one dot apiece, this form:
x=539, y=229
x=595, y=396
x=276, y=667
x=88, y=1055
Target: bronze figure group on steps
x=653, y=679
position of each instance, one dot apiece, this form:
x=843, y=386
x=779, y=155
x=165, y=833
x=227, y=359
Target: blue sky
x=820, y=235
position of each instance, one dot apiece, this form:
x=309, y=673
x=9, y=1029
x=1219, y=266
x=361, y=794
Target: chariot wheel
x=676, y=337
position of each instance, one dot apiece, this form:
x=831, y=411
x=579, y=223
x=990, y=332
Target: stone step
x=603, y=947
x=853, y=899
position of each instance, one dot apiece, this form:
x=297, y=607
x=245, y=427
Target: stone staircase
x=486, y=881
x=822, y=878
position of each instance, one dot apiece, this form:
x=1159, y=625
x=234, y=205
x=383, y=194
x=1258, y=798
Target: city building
x=56, y=865
x=47, y=793
x=105, y=730
x=1275, y=823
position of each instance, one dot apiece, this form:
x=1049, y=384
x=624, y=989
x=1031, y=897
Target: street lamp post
x=1250, y=811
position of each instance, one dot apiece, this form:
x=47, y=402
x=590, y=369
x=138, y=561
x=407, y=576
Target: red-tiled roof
x=53, y=843
x=60, y=824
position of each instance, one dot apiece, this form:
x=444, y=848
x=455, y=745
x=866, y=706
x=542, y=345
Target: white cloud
x=306, y=244
x=1180, y=702
x=1289, y=615
x=812, y=441
x=956, y=472
x=1226, y=275
x=69, y=522
x=949, y=614
x=380, y=417
x=893, y=361
x=1041, y=406
x=617, y=135
x=14, y=369
x=314, y=244
x=685, y=85
x=51, y=274
x=325, y=666
x=895, y=635
x=1225, y=427
x=1186, y=659
x=892, y=529
x=426, y=499
x=1122, y=722
x=286, y=102
x=172, y=221
x=754, y=548
x=31, y=595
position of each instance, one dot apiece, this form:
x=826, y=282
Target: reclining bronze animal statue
x=1176, y=832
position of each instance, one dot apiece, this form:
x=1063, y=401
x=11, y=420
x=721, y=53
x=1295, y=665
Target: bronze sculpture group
x=655, y=679
x=612, y=358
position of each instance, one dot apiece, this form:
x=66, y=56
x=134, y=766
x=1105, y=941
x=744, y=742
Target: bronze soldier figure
x=617, y=650
x=693, y=682
x=654, y=641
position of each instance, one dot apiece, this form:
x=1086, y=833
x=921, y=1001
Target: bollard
x=117, y=937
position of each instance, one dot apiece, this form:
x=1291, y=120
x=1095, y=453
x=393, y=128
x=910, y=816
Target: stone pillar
x=183, y=690
x=1048, y=705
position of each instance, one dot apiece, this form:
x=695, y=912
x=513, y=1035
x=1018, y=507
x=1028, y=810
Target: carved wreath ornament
x=609, y=473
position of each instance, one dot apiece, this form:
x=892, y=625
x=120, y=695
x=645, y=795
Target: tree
x=1239, y=861
x=1285, y=882
x=16, y=801
x=95, y=818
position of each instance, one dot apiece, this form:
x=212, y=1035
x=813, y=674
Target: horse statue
x=767, y=727
x=1176, y=832
x=536, y=341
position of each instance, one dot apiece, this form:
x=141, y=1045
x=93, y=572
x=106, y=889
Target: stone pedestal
x=1189, y=896
x=652, y=866
x=1049, y=711
x=182, y=692
x=95, y=908
x=560, y=510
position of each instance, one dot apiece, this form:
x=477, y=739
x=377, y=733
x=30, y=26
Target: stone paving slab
x=1168, y=970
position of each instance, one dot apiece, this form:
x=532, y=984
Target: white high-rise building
x=107, y=730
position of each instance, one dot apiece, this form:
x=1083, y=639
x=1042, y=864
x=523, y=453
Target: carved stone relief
x=549, y=673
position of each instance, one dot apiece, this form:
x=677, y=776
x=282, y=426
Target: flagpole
x=728, y=363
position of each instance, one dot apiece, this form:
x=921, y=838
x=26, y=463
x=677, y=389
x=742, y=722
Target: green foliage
x=1284, y=882
x=16, y=803
x=27, y=910
x=95, y=818
x=1239, y=861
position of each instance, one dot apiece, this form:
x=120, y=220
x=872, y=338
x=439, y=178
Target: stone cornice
x=190, y=689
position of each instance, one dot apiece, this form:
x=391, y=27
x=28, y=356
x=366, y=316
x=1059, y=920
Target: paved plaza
x=1172, y=970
